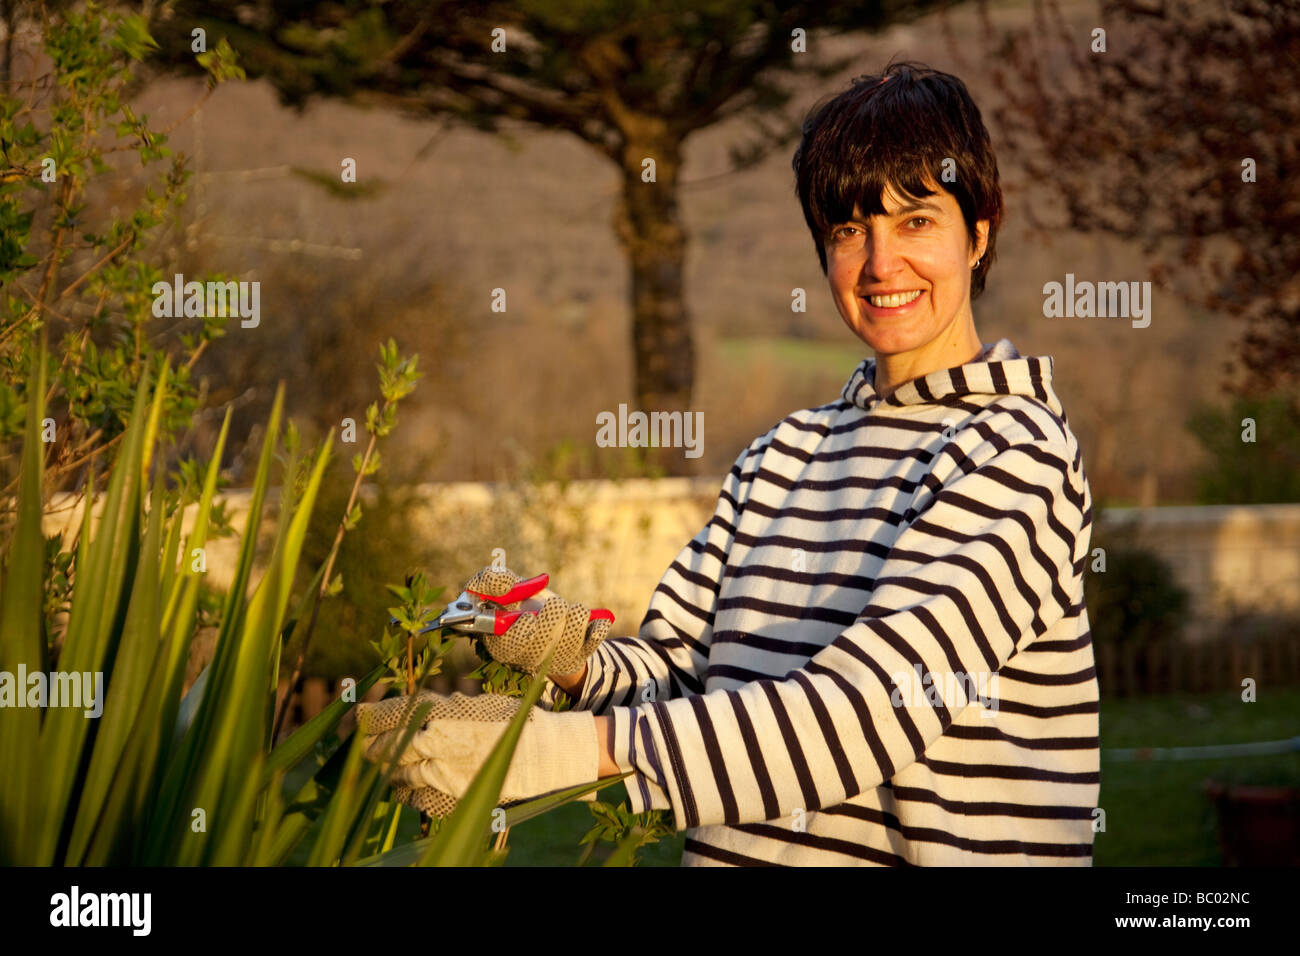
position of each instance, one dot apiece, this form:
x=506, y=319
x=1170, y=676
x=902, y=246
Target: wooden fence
x=1165, y=666
x=1159, y=667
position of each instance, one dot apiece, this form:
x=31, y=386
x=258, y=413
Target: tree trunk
x=648, y=225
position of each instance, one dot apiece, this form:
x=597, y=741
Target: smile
x=894, y=301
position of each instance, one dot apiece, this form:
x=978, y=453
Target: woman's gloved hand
x=525, y=643
x=555, y=750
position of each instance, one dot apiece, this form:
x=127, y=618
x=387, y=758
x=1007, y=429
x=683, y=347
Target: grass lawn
x=553, y=839
x=1156, y=812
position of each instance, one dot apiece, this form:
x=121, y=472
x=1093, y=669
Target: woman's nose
x=883, y=256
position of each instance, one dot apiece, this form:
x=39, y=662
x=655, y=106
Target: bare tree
x=632, y=78
x=1176, y=124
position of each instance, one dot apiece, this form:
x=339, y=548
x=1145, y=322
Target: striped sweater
x=876, y=652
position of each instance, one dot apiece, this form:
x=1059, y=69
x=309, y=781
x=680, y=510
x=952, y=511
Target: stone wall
x=1231, y=559
x=620, y=537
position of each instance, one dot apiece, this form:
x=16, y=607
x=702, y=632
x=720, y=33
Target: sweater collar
x=998, y=369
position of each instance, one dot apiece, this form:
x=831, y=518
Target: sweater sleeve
x=670, y=653
x=992, y=561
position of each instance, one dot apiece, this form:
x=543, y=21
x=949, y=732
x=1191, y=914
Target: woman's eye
x=921, y=219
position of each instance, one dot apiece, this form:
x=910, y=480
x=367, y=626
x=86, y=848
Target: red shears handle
x=503, y=620
x=520, y=592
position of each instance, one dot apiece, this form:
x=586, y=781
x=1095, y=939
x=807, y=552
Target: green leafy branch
x=398, y=648
x=397, y=378
x=497, y=678
x=627, y=830
x=52, y=153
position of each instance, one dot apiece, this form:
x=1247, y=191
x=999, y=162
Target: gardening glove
x=555, y=750
x=430, y=802
x=524, y=645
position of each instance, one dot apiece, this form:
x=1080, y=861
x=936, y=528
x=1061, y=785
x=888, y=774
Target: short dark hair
x=899, y=133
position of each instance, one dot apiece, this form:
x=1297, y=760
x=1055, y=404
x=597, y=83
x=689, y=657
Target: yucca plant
x=163, y=779
x=160, y=776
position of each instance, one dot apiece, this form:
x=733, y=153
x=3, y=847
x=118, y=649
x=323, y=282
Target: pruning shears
x=474, y=612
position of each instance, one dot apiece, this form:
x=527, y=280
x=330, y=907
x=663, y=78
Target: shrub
x=1238, y=472
x=1135, y=600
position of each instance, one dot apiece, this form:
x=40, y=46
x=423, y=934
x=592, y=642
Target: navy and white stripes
x=876, y=651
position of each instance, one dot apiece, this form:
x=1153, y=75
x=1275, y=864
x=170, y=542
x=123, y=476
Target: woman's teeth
x=893, y=301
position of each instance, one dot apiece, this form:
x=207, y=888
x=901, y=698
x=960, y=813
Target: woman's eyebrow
x=919, y=206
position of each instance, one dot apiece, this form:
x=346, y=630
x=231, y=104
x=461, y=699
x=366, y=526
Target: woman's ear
x=981, y=240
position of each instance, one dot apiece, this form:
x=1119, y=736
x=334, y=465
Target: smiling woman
x=927, y=530
x=901, y=282
x=899, y=187
x=876, y=651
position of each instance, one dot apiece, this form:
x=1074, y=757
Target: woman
x=876, y=651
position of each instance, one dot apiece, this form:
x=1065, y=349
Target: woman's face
x=918, y=258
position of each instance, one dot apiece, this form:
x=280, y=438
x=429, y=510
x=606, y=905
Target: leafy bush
x=80, y=241
x=1237, y=472
x=1136, y=599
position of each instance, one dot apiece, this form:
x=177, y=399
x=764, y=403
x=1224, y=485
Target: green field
x=1156, y=812
x=815, y=356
